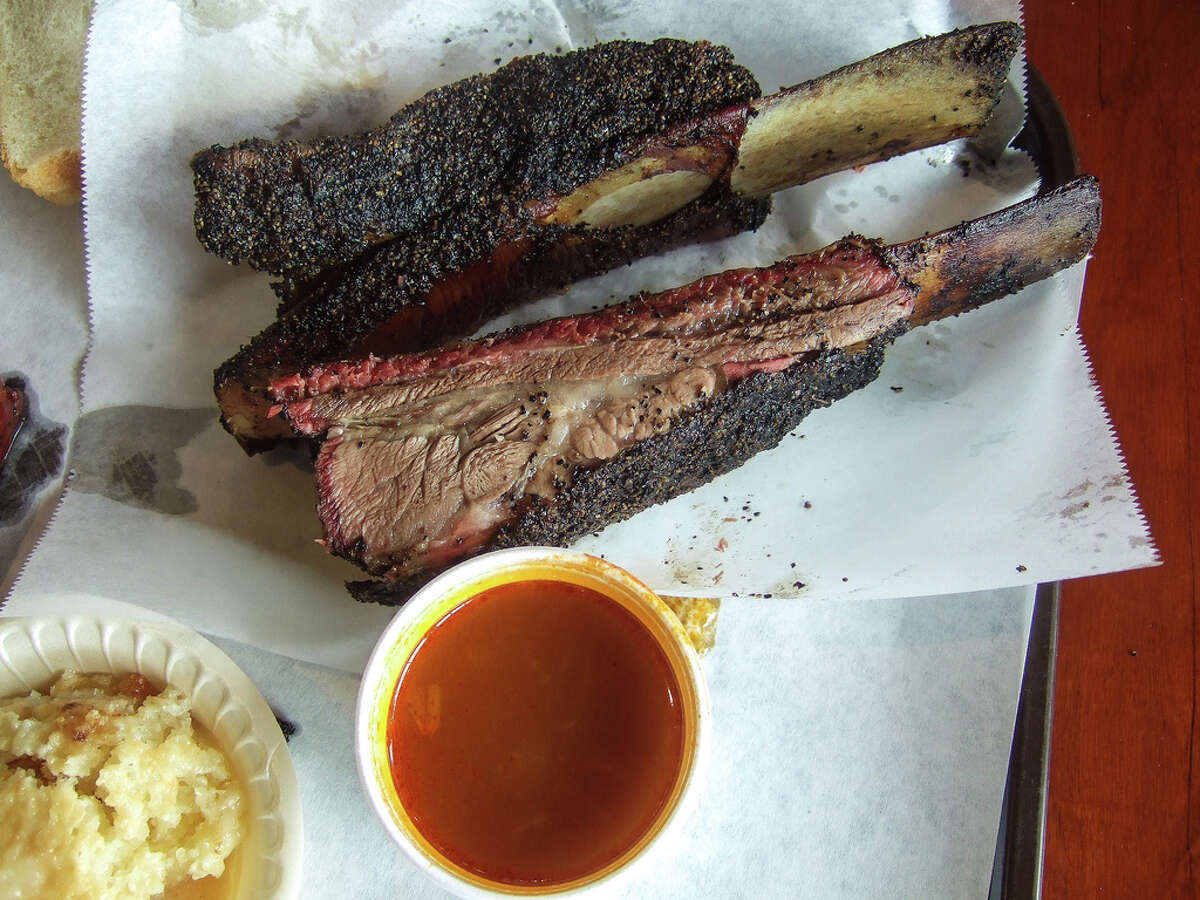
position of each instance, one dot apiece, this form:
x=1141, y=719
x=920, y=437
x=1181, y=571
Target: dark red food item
x=13, y=411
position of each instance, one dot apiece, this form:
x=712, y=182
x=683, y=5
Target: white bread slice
x=41, y=75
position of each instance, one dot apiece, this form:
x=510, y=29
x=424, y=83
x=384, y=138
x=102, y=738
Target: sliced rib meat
x=550, y=431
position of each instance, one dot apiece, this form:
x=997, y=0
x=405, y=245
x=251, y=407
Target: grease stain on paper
x=36, y=457
x=977, y=448
x=1080, y=501
x=1079, y=490
x=607, y=10
x=204, y=16
x=130, y=454
x=322, y=111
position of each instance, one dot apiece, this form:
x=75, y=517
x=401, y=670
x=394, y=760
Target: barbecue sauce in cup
x=536, y=733
x=533, y=722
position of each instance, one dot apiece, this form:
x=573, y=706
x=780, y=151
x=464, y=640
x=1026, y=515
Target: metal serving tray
x=1020, y=843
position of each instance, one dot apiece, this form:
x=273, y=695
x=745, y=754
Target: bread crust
x=57, y=177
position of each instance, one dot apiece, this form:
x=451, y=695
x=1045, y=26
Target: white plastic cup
x=446, y=592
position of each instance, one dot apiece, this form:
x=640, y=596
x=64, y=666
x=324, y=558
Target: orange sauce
x=536, y=733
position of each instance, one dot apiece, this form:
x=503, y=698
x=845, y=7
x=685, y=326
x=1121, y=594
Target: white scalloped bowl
x=224, y=701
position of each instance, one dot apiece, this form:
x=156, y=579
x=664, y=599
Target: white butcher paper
x=860, y=738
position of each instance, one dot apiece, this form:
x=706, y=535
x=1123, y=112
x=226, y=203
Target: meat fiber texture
x=948, y=484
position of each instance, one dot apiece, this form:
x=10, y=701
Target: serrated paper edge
x=1115, y=440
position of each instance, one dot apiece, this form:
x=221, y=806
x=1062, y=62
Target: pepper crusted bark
x=462, y=160
x=458, y=243
x=575, y=139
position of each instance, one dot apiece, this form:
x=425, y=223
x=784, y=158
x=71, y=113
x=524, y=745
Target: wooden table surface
x=1124, y=809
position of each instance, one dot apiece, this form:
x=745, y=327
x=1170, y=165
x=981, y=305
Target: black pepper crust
x=752, y=416
x=462, y=160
